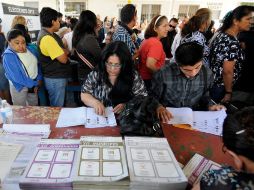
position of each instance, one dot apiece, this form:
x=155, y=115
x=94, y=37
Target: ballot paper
x=29, y=143
x=152, y=164
x=8, y=153
x=101, y=162
x=85, y=116
x=204, y=121
x=195, y=168
x=51, y=165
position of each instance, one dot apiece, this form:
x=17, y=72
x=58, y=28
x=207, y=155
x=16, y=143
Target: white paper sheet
x=209, y=121
x=71, y=117
x=181, y=115
x=8, y=153
x=204, y=121
x=28, y=129
x=94, y=121
x=85, y=116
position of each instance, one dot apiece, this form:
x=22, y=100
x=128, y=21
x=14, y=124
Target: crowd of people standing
x=190, y=65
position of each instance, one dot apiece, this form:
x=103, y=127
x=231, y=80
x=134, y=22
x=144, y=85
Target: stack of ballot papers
x=152, y=165
x=85, y=116
x=40, y=130
x=195, y=168
x=101, y=164
x=51, y=167
x=8, y=153
x=29, y=143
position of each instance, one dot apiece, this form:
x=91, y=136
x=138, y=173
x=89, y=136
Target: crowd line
x=182, y=62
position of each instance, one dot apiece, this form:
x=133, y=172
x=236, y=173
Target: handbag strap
x=85, y=60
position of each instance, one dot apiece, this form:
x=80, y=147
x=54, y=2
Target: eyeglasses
x=110, y=65
x=172, y=26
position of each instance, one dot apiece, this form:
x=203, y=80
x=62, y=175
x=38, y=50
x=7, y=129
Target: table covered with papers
x=184, y=143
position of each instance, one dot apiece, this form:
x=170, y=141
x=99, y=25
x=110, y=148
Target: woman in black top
x=226, y=55
x=84, y=41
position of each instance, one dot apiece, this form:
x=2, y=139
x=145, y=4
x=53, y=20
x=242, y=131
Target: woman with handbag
x=115, y=82
x=84, y=41
x=22, y=70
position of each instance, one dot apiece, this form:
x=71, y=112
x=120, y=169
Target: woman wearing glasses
x=115, y=82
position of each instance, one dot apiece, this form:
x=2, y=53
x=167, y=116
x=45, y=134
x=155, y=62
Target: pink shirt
x=151, y=47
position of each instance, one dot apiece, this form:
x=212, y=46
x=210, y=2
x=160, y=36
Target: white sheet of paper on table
x=181, y=115
x=8, y=153
x=36, y=129
x=71, y=117
x=94, y=121
x=210, y=121
x=85, y=116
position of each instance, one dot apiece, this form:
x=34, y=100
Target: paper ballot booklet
x=85, y=116
x=197, y=166
x=100, y=160
x=51, y=165
x=152, y=164
x=205, y=121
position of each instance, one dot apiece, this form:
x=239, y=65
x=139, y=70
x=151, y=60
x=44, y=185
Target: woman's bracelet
x=227, y=92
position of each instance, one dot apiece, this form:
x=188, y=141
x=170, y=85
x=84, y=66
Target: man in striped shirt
x=124, y=30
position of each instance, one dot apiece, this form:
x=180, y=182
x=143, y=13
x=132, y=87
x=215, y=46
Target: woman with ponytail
x=151, y=53
x=226, y=55
x=193, y=31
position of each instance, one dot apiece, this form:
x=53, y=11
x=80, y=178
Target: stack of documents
x=29, y=143
x=8, y=153
x=51, y=167
x=40, y=130
x=101, y=164
x=85, y=116
x=204, y=121
x=152, y=165
x=195, y=168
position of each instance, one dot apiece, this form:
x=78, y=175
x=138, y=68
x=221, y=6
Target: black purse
x=139, y=118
